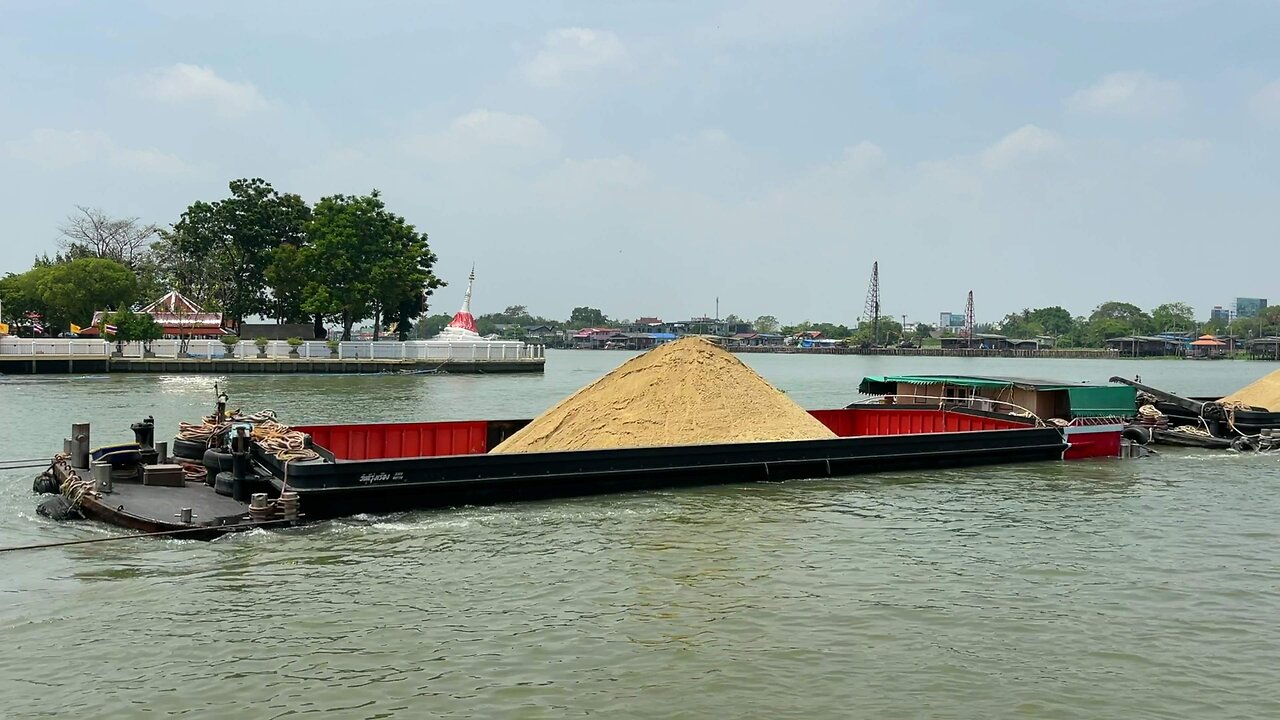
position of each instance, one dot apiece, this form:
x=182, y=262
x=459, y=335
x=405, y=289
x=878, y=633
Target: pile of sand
x=681, y=393
x=1261, y=393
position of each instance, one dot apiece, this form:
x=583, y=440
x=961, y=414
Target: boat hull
x=333, y=489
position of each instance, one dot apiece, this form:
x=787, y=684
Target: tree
x=90, y=232
x=230, y=243
x=923, y=330
x=432, y=325
x=765, y=324
x=136, y=327
x=1054, y=320
x=1173, y=317
x=69, y=292
x=363, y=259
x=587, y=317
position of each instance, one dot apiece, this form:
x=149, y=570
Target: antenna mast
x=872, y=309
x=968, y=321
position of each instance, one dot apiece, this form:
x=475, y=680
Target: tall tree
x=69, y=292
x=363, y=259
x=90, y=232
x=585, y=316
x=231, y=242
x=765, y=324
x=1054, y=320
x=1175, y=317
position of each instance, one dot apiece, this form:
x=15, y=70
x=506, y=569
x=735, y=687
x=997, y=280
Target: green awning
x=1095, y=401
x=886, y=383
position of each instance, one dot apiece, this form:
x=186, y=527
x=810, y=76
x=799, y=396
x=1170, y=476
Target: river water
x=1093, y=589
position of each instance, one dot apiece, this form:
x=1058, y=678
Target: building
x=177, y=314
x=950, y=321
x=1220, y=313
x=1250, y=307
x=1144, y=345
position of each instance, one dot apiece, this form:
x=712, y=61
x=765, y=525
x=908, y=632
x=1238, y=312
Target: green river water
x=1093, y=589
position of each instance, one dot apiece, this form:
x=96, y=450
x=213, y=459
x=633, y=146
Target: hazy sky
x=647, y=157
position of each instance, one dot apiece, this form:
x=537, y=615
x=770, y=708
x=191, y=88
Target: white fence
x=279, y=349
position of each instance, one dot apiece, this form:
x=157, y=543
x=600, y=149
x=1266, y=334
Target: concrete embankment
x=79, y=364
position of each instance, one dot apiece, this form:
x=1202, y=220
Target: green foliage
x=69, y=292
x=828, y=330
x=363, y=259
x=229, y=340
x=1173, y=317
x=332, y=344
x=766, y=324
x=294, y=341
x=260, y=341
x=222, y=249
x=431, y=326
x=136, y=327
x=584, y=316
x=1053, y=320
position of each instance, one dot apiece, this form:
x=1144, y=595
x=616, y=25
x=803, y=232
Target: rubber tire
x=58, y=508
x=224, y=484
x=1137, y=433
x=216, y=461
x=189, y=449
x=45, y=484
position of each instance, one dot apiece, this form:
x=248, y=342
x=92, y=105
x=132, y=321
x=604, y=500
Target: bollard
x=184, y=515
x=259, y=509
x=102, y=477
x=80, y=446
x=144, y=433
x=288, y=503
x=67, y=448
x=162, y=453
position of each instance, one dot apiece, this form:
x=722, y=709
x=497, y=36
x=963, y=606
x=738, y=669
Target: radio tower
x=872, y=310
x=968, y=321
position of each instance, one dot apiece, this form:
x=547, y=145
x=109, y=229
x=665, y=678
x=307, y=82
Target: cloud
x=1129, y=93
x=488, y=136
x=1026, y=143
x=62, y=149
x=569, y=53
x=183, y=84
x=1266, y=102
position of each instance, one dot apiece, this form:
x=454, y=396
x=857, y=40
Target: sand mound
x=682, y=393
x=1261, y=393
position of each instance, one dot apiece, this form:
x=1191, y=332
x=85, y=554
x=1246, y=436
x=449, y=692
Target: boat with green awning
x=1093, y=414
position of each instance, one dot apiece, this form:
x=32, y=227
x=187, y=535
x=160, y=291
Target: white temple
x=463, y=325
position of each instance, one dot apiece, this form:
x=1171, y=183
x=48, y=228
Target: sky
x=647, y=158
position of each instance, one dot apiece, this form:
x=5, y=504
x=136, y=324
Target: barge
x=239, y=473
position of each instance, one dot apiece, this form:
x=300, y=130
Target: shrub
x=229, y=340
x=294, y=342
x=260, y=341
x=333, y=344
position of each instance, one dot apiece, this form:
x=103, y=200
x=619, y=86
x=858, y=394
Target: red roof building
x=177, y=314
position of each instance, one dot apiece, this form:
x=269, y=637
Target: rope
x=1192, y=430
x=1150, y=411
x=283, y=443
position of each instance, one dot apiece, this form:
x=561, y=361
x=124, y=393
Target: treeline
x=1108, y=320
x=258, y=252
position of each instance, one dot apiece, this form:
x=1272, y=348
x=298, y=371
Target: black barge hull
x=335, y=489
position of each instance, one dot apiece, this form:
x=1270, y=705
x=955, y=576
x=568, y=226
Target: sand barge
x=685, y=392
x=1263, y=393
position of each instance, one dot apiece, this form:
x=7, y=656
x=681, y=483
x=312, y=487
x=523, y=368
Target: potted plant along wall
x=229, y=342
x=294, y=344
x=261, y=342
x=333, y=348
